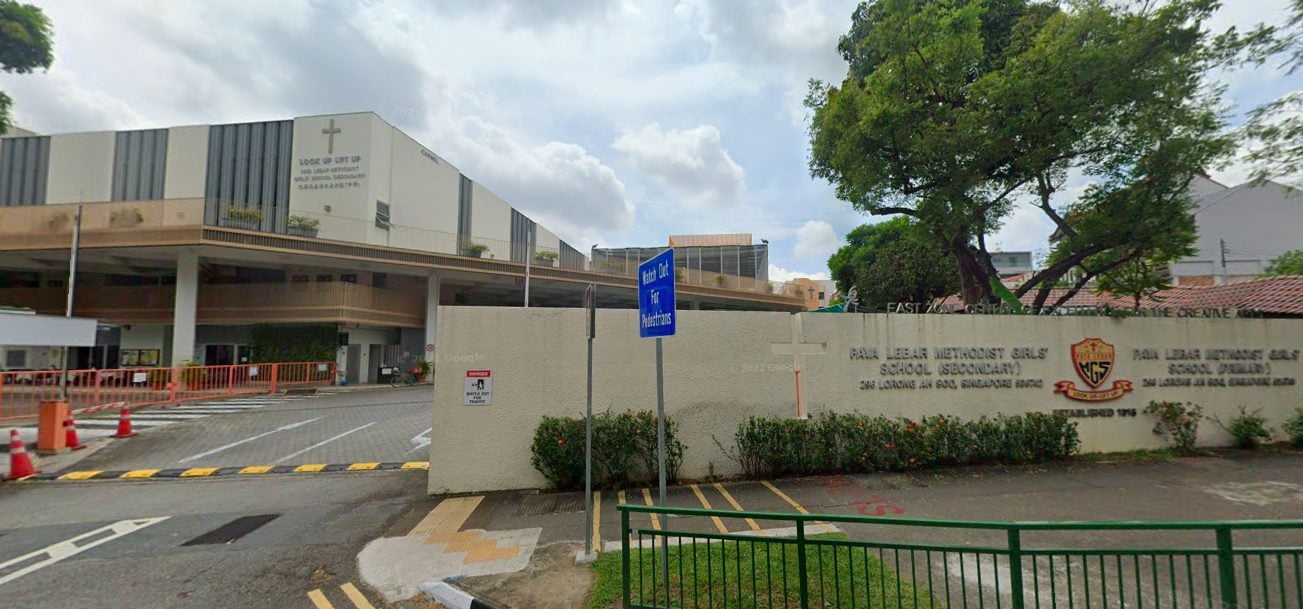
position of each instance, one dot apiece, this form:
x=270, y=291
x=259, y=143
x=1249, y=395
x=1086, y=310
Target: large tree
x=1289, y=263
x=954, y=111
x=892, y=262
x=1275, y=130
x=25, y=45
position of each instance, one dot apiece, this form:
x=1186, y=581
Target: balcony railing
x=234, y=303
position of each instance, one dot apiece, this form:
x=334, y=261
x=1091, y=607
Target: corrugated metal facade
x=139, y=165
x=464, y=211
x=571, y=258
x=249, y=168
x=523, y=233
x=24, y=170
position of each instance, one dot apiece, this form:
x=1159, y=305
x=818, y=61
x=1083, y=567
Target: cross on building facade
x=330, y=133
x=798, y=350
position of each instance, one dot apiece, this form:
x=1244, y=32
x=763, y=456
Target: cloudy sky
x=611, y=122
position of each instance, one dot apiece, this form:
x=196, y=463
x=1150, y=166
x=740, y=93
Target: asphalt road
x=378, y=425
x=244, y=541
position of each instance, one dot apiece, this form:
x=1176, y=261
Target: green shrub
x=624, y=450
x=1294, y=429
x=1179, y=422
x=1248, y=428
x=857, y=443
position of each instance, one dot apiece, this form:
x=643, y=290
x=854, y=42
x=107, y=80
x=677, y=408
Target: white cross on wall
x=798, y=350
x=330, y=132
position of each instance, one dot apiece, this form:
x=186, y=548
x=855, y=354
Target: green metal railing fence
x=824, y=561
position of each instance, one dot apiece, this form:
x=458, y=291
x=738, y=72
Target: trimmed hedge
x=856, y=443
x=624, y=450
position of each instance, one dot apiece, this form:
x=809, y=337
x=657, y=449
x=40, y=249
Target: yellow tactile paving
x=655, y=519
x=784, y=497
x=737, y=506
x=447, y=517
x=719, y=524
x=476, y=547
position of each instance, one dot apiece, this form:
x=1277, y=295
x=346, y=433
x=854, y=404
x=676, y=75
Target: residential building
x=1009, y=264
x=200, y=243
x=1241, y=230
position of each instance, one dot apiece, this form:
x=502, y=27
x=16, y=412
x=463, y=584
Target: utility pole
x=1222, y=244
x=72, y=290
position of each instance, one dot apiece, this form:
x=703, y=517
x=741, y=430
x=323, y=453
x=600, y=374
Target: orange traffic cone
x=70, y=435
x=124, y=424
x=20, y=464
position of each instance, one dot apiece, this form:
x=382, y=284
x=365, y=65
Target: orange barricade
x=21, y=392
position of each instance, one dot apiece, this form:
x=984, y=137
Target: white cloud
x=816, y=239
x=690, y=165
x=778, y=273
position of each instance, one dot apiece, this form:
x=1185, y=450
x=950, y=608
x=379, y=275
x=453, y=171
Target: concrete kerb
x=448, y=594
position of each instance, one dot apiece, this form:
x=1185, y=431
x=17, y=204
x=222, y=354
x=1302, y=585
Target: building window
x=16, y=358
x=379, y=280
x=382, y=215
x=299, y=279
x=348, y=278
x=820, y=295
x=325, y=278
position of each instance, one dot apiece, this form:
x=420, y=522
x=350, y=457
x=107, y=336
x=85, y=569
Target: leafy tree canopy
x=953, y=111
x=1275, y=130
x=892, y=262
x=25, y=45
x=1289, y=263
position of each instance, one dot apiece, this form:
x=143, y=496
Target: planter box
x=240, y=223
x=475, y=253
x=545, y=262
x=297, y=231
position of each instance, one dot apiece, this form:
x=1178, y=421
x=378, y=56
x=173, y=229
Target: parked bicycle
x=405, y=377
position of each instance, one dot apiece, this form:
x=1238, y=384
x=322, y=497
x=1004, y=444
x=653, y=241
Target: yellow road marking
x=719, y=524
x=363, y=466
x=416, y=465
x=198, y=471
x=733, y=502
x=597, y=520
x=319, y=600
x=354, y=595
x=784, y=497
x=140, y=473
x=314, y=467
x=79, y=475
x=447, y=517
x=256, y=469
x=620, y=496
x=656, y=520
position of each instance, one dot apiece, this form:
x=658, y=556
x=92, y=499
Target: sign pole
x=590, y=328
x=72, y=291
x=660, y=452
x=657, y=317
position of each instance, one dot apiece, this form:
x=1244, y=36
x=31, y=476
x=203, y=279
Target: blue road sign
x=656, y=312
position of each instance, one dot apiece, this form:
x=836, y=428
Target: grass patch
x=1156, y=454
x=761, y=573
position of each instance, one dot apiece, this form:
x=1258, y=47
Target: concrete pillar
x=432, y=289
x=183, y=310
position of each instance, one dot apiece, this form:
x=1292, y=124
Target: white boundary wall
x=721, y=368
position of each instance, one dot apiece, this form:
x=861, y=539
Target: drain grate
x=232, y=530
x=555, y=503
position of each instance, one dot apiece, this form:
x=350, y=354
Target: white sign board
x=479, y=388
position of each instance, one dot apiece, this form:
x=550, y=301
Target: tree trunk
x=975, y=280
